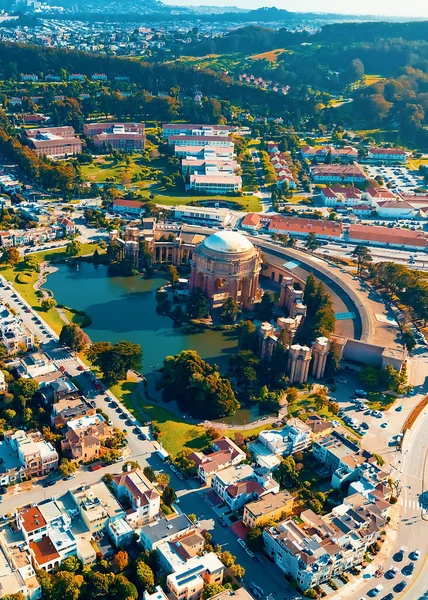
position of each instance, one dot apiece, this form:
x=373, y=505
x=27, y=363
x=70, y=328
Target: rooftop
x=228, y=242
x=165, y=528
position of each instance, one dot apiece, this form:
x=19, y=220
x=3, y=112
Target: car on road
x=398, y=557
x=113, y=404
x=391, y=573
x=399, y=408
x=242, y=543
x=222, y=522
x=384, y=425
x=250, y=553
x=377, y=590
x=388, y=597
x=408, y=570
x=48, y=483
x=361, y=392
x=256, y=590
x=415, y=554
x=341, y=380
x=80, y=368
x=400, y=586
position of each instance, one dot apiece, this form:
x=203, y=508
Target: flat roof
x=165, y=528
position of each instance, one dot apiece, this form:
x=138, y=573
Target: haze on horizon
x=390, y=8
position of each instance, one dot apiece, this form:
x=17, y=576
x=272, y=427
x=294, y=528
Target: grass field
x=104, y=168
x=248, y=203
x=28, y=292
x=271, y=56
x=175, y=433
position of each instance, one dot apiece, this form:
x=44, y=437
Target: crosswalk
x=408, y=503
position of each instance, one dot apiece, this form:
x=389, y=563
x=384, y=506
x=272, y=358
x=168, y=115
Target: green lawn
x=175, y=433
x=28, y=292
x=248, y=203
x=305, y=401
x=104, y=168
x=379, y=401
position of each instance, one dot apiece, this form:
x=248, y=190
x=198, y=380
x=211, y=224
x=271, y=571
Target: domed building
x=226, y=264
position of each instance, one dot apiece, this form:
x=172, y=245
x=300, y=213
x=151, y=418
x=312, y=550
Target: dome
x=227, y=242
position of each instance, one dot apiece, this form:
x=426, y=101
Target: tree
x=31, y=263
x=363, y=256
x=120, y=561
x=145, y=576
x=66, y=586
x=149, y=473
x=408, y=339
x=255, y=539
x=247, y=335
x=23, y=390
x=133, y=464
x=315, y=505
x=193, y=518
x=197, y=305
x=266, y=307
x=71, y=564
x=227, y=558
x=67, y=467
x=123, y=589
x=74, y=248
x=237, y=570
x=197, y=386
x=312, y=242
x=74, y=337
x=292, y=395
x=212, y=589
x=11, y=256
x=162, y=479
x=229, y=311
x=173, y=275
x=169, y=496
x=48, y=303
x=310, y=593
x=115, y=360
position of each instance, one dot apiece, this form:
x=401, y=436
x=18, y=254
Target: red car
x=80, y=368
x=62, y=369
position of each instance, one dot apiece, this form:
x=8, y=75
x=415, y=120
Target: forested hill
x=253, y=39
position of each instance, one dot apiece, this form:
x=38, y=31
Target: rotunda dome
x=227, y=242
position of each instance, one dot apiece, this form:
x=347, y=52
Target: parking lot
x=401, y=179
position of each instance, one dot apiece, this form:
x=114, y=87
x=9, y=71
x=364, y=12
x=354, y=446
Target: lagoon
x=124, y=308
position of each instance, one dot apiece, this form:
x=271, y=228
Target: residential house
x=14, y=334
x=225, y=454
x=69, y=409
x=240, y=484
x=37, y=457
x=188, y=582
x=68, y=226
x=17, y=574
x=172, y=555
x=158, y=594
x=269, y=507
x=141, y=494
x=251, y=222
x=319, y=427
x=295, y=436
x=165, y=530
x=84, y=437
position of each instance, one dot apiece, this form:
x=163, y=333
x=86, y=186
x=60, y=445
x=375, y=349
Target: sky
x=415, y=8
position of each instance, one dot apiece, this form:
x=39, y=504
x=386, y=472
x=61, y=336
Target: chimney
x=128, y=467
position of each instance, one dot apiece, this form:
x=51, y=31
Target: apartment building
x=268, y=507
x=14, y=334
x=338, y=173
x=128, y=207
x=196, y=214
x=97, y=506
x=226, y=152
x=341, y=196
x=346, y=154
x=36, y=456
x=302, y=227
x=17, y=575
x=387, y=155
x=187, y=583
x=214, y=182
x=54, y=142
x=215, y=141
x=323, y=547
x=188, y=129
x=141, y=494
x=225, y=454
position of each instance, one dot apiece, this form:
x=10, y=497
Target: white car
x=415, y=554
x=250, y=553
x=242, y=543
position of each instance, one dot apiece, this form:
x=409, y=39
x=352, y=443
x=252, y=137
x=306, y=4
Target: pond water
x=124, y=308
